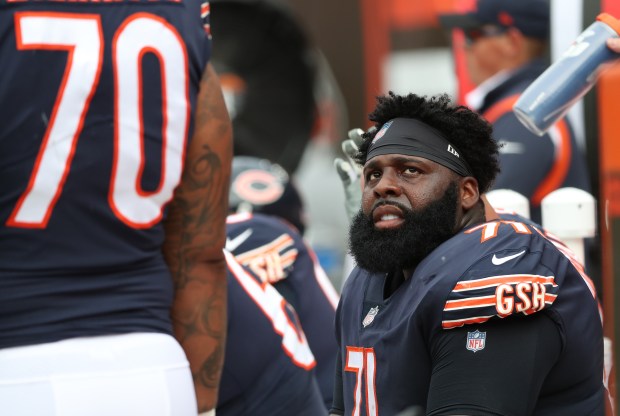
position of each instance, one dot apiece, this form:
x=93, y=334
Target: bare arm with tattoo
x=195, y=238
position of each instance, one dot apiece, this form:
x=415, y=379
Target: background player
x=264, y=237
x=98, y=102
x=269, y=368
x=506, y=49
x=434, y=276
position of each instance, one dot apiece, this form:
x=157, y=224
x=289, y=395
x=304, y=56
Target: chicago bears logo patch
x=476, y=340
x=258, y=187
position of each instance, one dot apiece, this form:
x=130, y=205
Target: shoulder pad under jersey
x=509, y=273
x=264, y=244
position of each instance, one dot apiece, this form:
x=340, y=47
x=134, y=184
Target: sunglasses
x=475, y=34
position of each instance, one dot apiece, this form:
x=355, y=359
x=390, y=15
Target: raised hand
x=350, y=172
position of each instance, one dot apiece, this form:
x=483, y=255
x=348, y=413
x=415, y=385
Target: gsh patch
x=370, y=316
x=476, y=340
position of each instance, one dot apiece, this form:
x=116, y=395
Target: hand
x=350, y=173
x=614, y=44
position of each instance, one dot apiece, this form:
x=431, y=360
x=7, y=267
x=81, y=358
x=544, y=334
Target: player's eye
x=374, y=174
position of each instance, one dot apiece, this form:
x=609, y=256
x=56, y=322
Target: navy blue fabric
x=258, y=377
x=86, y=272
x=526, y=159
x=299, y=287
x=413, y=352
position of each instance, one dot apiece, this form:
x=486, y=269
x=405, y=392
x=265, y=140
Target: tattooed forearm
x=195, y=236
x=209, y=374
x=207, y=316
x=210, y=166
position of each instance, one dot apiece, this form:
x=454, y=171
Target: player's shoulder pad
x=505, y=277
x=266, y=245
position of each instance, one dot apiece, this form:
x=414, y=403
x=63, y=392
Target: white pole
x=570, y=214
x=508, y=201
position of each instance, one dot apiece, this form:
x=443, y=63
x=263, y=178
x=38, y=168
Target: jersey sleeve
x=278, y=255
x=501, y=373
x=263, y=244
x=519, y=148
x=205, y=17
x=520, y=278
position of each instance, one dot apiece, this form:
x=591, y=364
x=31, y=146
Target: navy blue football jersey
x=279, y=256
x=452, y=312
x=268, y=367
x=96, y=106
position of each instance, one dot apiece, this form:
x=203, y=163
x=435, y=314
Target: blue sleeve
x=500, y=374
x=525, y=159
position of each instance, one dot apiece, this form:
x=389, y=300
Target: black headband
x=412, y=137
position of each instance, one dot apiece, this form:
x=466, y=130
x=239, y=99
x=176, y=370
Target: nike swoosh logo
x=501, y=260
x=231, y=245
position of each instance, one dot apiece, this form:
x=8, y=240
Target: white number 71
x=362, y=361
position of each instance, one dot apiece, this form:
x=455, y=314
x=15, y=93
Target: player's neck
x=474, y=216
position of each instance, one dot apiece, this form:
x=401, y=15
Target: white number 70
x=81, y=36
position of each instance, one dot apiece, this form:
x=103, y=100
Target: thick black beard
x=382, y=251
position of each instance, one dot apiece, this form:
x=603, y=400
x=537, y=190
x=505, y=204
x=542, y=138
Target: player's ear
x=515, y=42
x=469, y=192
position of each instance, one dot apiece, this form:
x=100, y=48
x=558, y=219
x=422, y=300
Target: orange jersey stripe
x=500, y=108
x=476, y=302
x=560, y=135
x=460, y=322
x=204, y=9
x=550, y=298
x=483, y=301
x=506, y=279
x=289, y=257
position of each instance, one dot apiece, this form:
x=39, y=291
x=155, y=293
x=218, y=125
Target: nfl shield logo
x=476, y=340
x=370, y=316
x=382, y=131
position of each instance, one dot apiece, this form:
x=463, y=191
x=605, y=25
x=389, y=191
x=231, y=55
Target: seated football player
x=449, y=309
x=264, y=234
x=268, y=365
